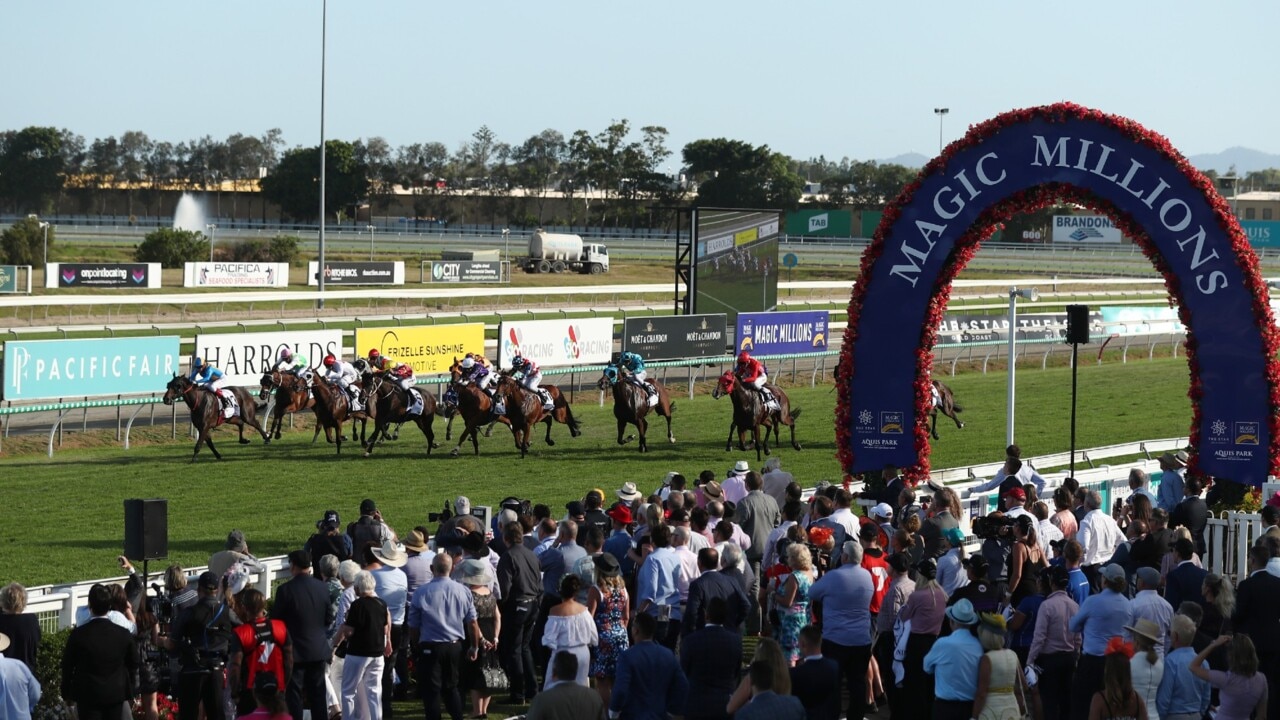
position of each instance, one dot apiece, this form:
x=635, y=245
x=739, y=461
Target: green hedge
x=49, y=673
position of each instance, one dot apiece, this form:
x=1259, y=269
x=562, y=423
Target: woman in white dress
x=1146, y=667
x=570, y=627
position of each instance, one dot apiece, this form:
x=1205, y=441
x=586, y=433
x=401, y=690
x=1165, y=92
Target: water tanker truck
x=560, y=252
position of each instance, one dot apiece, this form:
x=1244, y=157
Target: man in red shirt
x=875, y=562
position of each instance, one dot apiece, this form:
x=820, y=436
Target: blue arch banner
x=1202, y=253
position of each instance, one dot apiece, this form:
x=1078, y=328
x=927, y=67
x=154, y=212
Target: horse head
x=270, y=381
x=608, y=378
x=176, y=388
x=455, y=370
x=724, y=386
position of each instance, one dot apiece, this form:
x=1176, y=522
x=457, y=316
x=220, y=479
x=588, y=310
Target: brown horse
x=389, y=404
x=749, y=412
x=292, y=396
x=333, y=408
x=474, y=405
x=524, y=410
x=945, y=401
x=631, y=405
x=206, y=411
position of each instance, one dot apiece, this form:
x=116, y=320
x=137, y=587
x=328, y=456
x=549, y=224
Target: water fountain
x=189, y=215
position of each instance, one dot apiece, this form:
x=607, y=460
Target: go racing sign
x=550, y=343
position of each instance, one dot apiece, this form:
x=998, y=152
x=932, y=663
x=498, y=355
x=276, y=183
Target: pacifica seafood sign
x=551, y=343
x=103, y=275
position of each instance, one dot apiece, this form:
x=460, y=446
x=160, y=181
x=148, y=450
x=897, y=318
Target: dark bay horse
x=944, y=402
x=474, y=406
x=524, y=410
x=749, y=412
x=389, y=404
x=206, y=412
x=333, y=408
x=631, y=406
x=292, y=396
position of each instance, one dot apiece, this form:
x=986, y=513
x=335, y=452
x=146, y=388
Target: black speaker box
x=146, y=529
x=1078, y=324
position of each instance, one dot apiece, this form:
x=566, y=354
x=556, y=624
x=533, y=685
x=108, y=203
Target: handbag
x=495, y=678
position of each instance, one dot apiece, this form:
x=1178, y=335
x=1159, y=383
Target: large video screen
x=737, y=261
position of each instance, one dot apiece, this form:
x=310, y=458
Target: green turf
x=65, y=515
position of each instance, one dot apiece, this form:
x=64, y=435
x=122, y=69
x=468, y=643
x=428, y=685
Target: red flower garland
x=1029, y=201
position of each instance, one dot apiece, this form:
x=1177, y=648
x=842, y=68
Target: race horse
x=749, y=412
x=945, y=401
x=631, y=406
x=292, y=396
x=206, y=411
x=333, y=408
x=388, y=404
x=524, y=410
x=474, y=406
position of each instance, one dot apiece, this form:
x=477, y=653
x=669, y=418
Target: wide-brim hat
x=391, y=553
x=741, y=466
x=620, y=513
x=415, y=541
x=1146, y=628
x=962, y=613
x=476, y=572
x=1178, y=459
x=629, y=492
x=712, y=489
x=607, y=565
x=4, y=642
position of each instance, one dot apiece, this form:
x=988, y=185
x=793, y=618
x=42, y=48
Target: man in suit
x=711, y=659
x=1185, y=579
x=99, y=664
x=765, y=703
x=520, y=583
x=710, y=584
x=303, y=604
x=202, y=636
x=757, y=514
x=814, y=680
x=1270, y=521
x=1258, y=616
x=1192, y=513
x=649, y=684
x=565, y=699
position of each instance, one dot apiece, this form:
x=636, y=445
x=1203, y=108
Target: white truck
x=559, y=252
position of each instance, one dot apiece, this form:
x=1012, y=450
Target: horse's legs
x=954, y=416
x=488, y=430
x=378, y=429
x=448, y=427
x=933, y=428
x=342, y=436
x=642, y=426
x=728, y=443
x=548, y=421
x=622, y=427
x=426, y=423
x=755, y=435
x=794, y=445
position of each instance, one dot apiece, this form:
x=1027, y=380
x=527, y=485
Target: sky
x=833, y=78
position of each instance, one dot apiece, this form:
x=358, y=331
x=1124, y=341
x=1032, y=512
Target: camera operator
x=201, y=635
x=996, y=533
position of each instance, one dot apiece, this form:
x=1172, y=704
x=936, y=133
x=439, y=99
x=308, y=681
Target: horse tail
x=957, y=406
x=671, y=407
x=795, y=413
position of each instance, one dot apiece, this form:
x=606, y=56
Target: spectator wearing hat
x=519, y=586
x=236, y=551
x=574, y=510
x=477, y=575
x=984, y=595
x=593, y=512
x=202, y=637
x=1099, y=536
x=1172, y=472
x=953, y=662
x=735, y=482
x=619, y=538
x=629, y=493
x=1146, y=668
x=609, y=605
x=1101, y=617
x=303, y=604
x=1148, y=605
x=709, y=491
x=368, y=528
x=1054, y=645
x=841, y=602
x=392, y=587
x=951, y=575
x=417, y=567
x=19, y=689
x=1014, y=473
x=1002, y=690
x=757, y=514
x=100, y=661
x=1012, y=503
x=882, y=515
x=329, y=539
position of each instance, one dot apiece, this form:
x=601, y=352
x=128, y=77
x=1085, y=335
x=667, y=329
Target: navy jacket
x=769, y=705
x=303, y=604
x=711, y=585
x=711, y=659
x=649, y=685
x=812, y=682
x=1183, y=583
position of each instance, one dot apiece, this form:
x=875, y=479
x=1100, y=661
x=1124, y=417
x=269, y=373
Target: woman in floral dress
x=608, y=604
x=792, y=600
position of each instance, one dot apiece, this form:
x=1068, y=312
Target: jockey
x=345, y=376
x=476, y=372
x=399, y=372
x=531, y=378
x=211, y=378
x=750, y=371
x=633, y=363
x=293, y=363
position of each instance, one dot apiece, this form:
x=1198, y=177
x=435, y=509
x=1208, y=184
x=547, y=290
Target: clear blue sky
x=857, y=79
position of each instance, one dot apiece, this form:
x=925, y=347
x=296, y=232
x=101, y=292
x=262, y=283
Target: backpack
x=262, y=644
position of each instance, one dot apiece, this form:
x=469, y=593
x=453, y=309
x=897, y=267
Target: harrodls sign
x=245, y=357
x=585, y=341
x=235, y=274
x=1113, y=160
x=782, y=333
x=103, y=275
x=45, y=369
x=466, y=271
x=1085, y=230
x=357, y=273
x=676, y=336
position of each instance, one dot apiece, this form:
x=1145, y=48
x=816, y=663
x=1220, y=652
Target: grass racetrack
x=65, y=514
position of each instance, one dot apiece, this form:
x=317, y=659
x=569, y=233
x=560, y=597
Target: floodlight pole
x=1014, y=294
x=370, y=229
x=941, y=113
x=324, y=20
x=45, y=226
x=213, y=229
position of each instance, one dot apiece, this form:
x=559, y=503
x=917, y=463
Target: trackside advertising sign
x=245, y=357
x=466, y=271
x=47, y=369
x=676, y=336
x=428, y=349
x=552, y=343
x=1085, y=230
x=103, y=275
x=357, y=273
x=782, y=333
x=235, y=274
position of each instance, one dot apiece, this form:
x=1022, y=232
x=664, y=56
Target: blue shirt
x=441, y=610
x=556, y=562
x=1180, y=691
x=21, y=689
x=1169, y=491
x=845, y=594
x=1030, y=606
x=656, y=582
x=392, y=585
x=1078, y=585
x=617, y=545
x=953, y=662
x=1102, y=617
